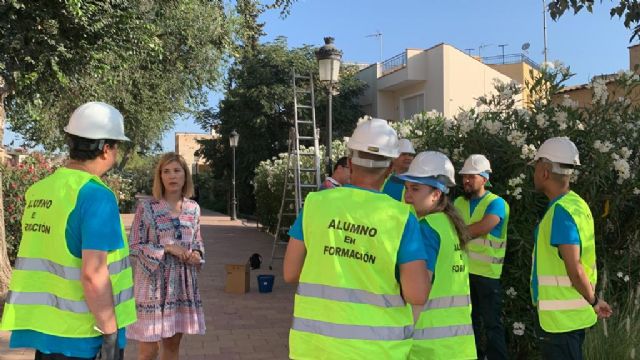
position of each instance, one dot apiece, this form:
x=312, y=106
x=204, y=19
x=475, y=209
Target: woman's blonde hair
x=158, y=186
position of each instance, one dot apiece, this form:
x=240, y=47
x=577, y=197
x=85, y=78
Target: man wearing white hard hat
x=359, y=261
x=443, y=328
x=564, y=274
x=392, y=186
x=487, y=217
x=71, y=294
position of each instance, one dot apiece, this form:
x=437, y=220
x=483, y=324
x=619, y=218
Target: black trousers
x=43, y=356
x=486, y=315
x=560, y=346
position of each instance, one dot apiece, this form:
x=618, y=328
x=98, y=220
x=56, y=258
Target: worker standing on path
x=392, y=186
x=487, y=217
x=564, y=274
x=71, y=294
x=443, y=329
x=359, y=260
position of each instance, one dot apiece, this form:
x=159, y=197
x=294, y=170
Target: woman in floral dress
x=167, y=250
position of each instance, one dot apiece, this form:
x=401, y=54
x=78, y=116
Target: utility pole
x=544, y=28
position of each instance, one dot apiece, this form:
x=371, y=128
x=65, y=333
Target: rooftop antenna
x=482, y=46
x=544, y=28
x=377, y=35
x=469, y=50
x=503, y=46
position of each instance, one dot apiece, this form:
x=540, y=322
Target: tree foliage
x=258, y=104
x=629, y=9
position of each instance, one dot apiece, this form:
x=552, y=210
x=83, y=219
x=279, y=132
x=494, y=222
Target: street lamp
x=233, y=141
x=329, y=67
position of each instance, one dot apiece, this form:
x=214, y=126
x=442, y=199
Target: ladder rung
x=308, y=185
x=306, y=137
x=303, y=91
x=304, y=106
x=305, y=122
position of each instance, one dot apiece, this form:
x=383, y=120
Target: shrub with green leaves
x=607, y=134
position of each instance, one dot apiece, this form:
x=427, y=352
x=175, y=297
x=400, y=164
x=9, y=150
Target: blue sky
x=590, y=43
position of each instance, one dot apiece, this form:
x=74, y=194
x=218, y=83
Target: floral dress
x=166, y=289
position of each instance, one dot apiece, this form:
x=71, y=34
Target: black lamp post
x=233, y=141
x=329, y=70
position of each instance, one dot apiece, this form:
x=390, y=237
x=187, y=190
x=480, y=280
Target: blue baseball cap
x=430, y=181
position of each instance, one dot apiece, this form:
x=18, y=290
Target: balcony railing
x=397, y=62
x=510, y=59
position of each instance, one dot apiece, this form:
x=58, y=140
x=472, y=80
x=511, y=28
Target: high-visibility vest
x=444, y=329
x=348, y=304
x=45, y=293
x=389, y=183
x=561, y=308
x=486, y=253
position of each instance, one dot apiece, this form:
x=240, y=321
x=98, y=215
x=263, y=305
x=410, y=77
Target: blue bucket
x=265, y=283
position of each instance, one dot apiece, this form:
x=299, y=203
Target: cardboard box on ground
x=237, y=278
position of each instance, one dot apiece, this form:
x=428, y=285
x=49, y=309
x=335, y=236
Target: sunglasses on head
x=176, y=227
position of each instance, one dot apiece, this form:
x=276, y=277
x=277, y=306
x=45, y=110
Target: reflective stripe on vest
x=444, y=324
x=42, y=298
x=561, y=308
x=65, y=272
x=448, y=302
x=350, y=295
x=485, y=258
x=355, y=332
x=443, y=332
x=486, y=253
x=491, y=243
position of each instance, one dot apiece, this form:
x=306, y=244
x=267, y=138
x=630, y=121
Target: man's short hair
x=341, y=162
x=83, y=149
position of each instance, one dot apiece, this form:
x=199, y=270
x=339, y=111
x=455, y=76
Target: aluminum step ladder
x=303, y=165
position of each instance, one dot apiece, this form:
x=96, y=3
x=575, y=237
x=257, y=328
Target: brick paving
x=249, y=326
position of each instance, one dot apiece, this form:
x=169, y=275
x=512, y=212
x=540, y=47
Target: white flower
x=512, y=292
x=636, y=191
x=492, y=126
x=619, y=274
x=541, y=120
x=600, y=92
x=418, y=132
x=622, y=168
x=561, y=119
x=527, y=151
x=517, y=138
x=570, y=103
x=518, y=328
x=603, y=147
x=626, y=278
x=524, y=113
x=579, y=125
x=625, y=152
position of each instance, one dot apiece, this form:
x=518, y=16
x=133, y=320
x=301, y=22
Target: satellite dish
x=525, y=46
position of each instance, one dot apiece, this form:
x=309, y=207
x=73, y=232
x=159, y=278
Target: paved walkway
x=249, y=326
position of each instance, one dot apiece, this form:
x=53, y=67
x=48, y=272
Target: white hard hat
x=97, y=120
x=431, y=168
x=559, y=150
x=374, y=136
x=476, y=164
x=406, y=147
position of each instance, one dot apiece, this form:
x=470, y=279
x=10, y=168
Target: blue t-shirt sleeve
x=295, y=231
x=99, y=218
x=431, y=241
x=564, y=230
x=497, y=207
x=394, y=188
x=411, y=245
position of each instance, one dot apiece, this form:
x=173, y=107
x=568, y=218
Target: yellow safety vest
x=561, y=308
x=486, y=253
x=45, y=293
x=444, y=329
x=349, y=304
